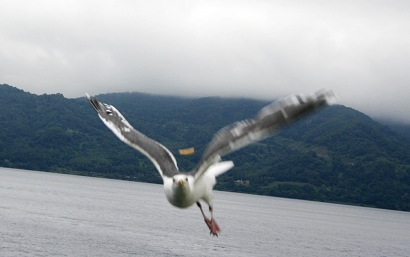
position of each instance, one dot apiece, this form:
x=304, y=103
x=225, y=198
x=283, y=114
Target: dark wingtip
x=93, y=101
x=328, y=96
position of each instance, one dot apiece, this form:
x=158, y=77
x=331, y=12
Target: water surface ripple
x=46, y=214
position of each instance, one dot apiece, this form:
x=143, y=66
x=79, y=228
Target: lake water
x=46, y=214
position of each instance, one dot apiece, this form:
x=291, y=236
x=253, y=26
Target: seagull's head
x=181, y=181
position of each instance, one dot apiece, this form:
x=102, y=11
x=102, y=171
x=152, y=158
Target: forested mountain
x=399, y=127
x=336, y=155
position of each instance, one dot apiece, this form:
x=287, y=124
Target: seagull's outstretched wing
x=162, y=158
x=267, y=121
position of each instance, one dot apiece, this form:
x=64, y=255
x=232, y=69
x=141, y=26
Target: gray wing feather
x=160, y=156
x=269, y=119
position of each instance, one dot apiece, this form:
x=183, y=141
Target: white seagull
x=183, y=189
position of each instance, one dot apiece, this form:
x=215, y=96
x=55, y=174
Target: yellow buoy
x=187, y=151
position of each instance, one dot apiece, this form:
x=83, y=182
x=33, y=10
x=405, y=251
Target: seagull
x=183, y=189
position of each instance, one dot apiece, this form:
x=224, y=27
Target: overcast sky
x=256, y=49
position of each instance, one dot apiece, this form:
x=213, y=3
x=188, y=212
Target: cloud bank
x=257, y=49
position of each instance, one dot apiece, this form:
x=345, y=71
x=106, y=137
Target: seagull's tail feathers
x=220, y=168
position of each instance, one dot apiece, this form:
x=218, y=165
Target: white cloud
x=259, y=49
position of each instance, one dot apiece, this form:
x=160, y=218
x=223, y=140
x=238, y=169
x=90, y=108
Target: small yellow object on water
x=187, y=151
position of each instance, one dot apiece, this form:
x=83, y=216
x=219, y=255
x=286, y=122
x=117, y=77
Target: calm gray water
x=46, y=214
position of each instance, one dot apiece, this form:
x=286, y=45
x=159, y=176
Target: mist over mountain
x=336, y=155
x=397, y=126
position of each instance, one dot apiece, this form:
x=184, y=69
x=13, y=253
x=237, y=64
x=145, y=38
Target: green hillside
x=336, y=155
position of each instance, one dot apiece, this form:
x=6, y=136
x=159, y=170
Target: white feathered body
x=192, y=189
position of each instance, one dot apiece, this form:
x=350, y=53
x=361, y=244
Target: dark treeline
x=337, y=155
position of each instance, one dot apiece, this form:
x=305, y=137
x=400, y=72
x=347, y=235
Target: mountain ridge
x=336, y=155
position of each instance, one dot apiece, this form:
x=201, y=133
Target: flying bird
x=183, y=189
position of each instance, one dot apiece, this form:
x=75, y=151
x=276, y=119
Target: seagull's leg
x=213, y=227
x=202, y=211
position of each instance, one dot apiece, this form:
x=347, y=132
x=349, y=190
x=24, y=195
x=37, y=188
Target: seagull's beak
x=181, y=182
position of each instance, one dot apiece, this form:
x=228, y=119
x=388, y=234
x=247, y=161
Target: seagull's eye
x=186, y=179
x=173, y=179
